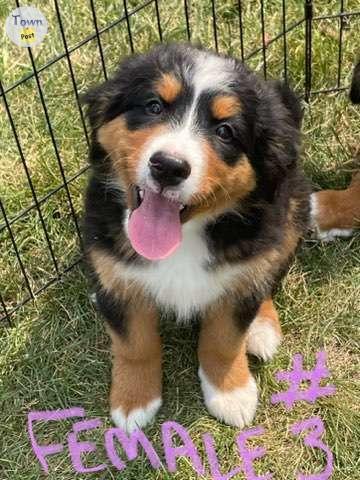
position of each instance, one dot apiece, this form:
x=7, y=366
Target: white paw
x=333, y=233
x=263, y=340
x=137, y=418
x=236, y=407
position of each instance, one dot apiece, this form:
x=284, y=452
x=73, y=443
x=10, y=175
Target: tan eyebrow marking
x=168, y=87
x=225, y=106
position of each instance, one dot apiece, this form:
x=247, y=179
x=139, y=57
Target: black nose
x=168, y=170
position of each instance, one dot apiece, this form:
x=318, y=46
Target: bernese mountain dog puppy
x=336, y=213
x=195, y=206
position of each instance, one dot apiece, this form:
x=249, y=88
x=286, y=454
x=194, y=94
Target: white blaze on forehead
x=210, y=73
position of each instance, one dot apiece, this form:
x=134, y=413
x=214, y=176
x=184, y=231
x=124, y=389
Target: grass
x=57, y=356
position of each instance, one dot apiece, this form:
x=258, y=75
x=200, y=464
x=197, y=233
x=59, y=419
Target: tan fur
x=225, y=106
x=136, y=370
x=259, y=268
x=104, y=266
x=222, y=185
x=339, y=208
x=267, y=313
x=168, y=87
x=222, y=349
x=125, y=146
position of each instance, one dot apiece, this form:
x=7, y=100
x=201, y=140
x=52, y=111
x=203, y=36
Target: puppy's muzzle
x=168, y=170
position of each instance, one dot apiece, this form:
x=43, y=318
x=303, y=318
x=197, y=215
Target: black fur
x=267, y=131
x=355, y=85
x=113, y=310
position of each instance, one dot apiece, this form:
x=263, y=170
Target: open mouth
x=137, y=196
x=155, y=223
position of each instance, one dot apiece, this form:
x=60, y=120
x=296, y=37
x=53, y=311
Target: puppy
x=336, y=213
x=195, y=206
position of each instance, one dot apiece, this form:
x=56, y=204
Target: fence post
x=308, y=8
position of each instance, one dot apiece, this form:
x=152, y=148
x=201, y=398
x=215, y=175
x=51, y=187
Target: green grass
x=57, y=356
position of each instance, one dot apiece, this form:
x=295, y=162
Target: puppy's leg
x=264, y=335
x=228, y=387
x=135, y=394
x=335, y=213
x=132, y=319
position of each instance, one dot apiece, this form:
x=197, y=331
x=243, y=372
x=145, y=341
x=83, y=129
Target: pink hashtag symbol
x=297, y=375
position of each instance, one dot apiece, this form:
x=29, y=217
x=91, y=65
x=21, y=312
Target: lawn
x=56, y=354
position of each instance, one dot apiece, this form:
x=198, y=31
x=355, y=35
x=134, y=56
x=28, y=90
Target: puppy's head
x=190, y=133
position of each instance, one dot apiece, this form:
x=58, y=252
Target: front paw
x=130, y=419
x=263, y=339
x=235, y=407
x=333, y=234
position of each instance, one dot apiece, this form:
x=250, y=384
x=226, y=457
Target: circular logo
x=26, y=26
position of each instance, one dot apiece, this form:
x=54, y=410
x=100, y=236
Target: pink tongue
x=154, y=227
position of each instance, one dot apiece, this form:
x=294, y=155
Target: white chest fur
x=182, y=282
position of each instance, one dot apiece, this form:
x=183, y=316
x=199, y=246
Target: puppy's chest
x=184, y=282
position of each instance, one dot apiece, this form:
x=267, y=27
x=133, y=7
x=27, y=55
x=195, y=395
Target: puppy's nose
x=168, y=170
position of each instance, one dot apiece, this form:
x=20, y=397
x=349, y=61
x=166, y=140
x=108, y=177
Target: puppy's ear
x=110, y=98
x=355, y=85
x=277, y=135
x=100, y=101
x=91, y=100
x=291, y=102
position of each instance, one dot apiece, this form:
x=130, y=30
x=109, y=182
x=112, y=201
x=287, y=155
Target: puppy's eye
x=154, y=107
x=225, y=133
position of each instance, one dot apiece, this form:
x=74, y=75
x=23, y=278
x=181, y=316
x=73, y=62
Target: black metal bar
x=284, y=40
x=341, y=19
x=77, y=46
x=263, y=38
x=214, y=25
x=44, y=198
x=16, y=250
x=274, y=39
x=71, y=70
x=158, y=20
x=308, y=6
x=330, y=90
x=28, y=177
x=128, y=26
x=53, y=140
x=41, y=289
x=337, y=15
x=98, y=39
x=186, y=10
x=241, y=30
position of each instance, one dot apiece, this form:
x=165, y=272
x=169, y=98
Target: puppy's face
x=179, y=125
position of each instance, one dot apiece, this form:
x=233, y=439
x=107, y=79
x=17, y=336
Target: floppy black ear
x=277, y=135
x=95, y=100
x=109, y=99
x=99, y=100
x=291, y=102
x=355, y=85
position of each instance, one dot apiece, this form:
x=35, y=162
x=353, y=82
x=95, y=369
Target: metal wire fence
x=19, y=283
